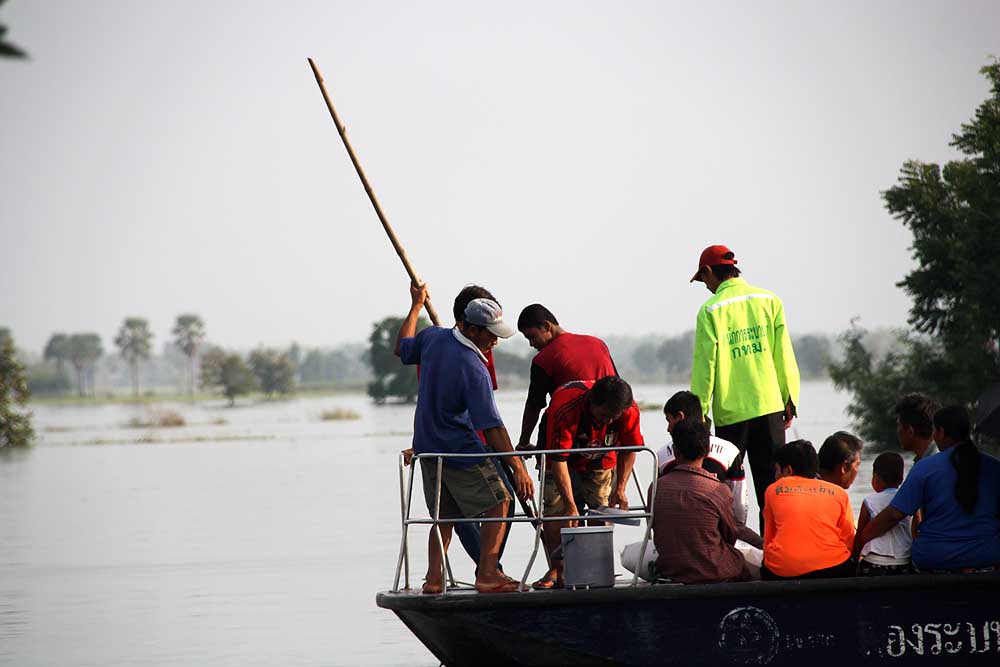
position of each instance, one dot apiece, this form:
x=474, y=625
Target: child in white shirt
x=890, y=553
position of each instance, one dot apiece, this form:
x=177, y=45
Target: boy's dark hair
x=889, y=467
x=841, y=447
x=691, y=438
x=800, y=455
x=954, y=421
x=534, y=315
x=917, y=411
x=686, y=402
x=725, y=271
x=612, y=393
x=469, y=293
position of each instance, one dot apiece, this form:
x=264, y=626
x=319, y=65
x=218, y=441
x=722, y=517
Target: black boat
x=904, y=620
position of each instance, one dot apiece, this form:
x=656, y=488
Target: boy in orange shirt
x=808, y=522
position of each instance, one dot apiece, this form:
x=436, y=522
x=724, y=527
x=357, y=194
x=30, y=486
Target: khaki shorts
x=465, y=492
x=591, y=488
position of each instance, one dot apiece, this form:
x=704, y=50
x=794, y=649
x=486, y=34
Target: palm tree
x=134, y=340
x=189, y=333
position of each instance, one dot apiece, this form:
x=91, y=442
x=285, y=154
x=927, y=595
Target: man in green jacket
x=744, y=367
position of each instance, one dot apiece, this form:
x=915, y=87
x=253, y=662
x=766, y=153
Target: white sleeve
x=741, y=500
x=665, y=455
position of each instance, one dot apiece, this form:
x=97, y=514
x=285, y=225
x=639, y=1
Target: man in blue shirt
x=455, y=399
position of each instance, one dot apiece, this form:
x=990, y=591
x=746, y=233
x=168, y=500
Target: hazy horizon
x=169, y=158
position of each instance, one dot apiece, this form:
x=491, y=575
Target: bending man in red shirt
x=562, y=357
x=585, y=415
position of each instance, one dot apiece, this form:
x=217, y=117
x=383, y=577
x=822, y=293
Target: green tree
x=952, y=351
x=226, y=371
x=57, y=350
x=135, y=341
x=83, y=351
x=392, y=378
x=275, y=371
x=189, y=333
x=8, y=50
x=15, y=420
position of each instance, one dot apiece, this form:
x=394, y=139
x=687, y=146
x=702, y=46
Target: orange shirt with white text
x=808, y=526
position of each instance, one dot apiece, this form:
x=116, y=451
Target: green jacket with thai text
x=744, y=365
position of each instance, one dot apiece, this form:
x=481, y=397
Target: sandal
x=547, y=583
x=502, y=587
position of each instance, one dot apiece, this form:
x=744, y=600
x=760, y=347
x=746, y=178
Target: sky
x=159, y=158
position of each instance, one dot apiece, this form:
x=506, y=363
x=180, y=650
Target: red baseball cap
x=714, y=255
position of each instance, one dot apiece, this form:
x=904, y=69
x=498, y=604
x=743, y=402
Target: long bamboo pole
x=371, y=193
x=381, y=216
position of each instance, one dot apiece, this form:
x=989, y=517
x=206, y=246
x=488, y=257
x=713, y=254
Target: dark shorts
x=591, y=488
x=465, y=492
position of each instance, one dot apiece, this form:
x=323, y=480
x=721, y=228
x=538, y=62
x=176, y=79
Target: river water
x=254, y=535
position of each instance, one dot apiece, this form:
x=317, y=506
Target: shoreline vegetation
x=171, y=396
x=64, y=374
x=153, y=440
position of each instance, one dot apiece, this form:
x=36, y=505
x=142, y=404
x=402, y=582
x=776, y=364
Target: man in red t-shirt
x=585, y=415
x=562, y=357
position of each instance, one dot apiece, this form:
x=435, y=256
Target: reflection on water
x=261, y=540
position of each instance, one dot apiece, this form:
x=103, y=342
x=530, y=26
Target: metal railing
x=406, y=497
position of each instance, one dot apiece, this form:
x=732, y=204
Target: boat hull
x=934, y=620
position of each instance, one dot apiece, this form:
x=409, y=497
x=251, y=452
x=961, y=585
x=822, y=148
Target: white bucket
x=588, y=556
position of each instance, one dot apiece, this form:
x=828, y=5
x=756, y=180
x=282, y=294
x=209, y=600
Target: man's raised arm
x=408, y=329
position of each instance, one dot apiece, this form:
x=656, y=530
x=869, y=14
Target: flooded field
x=251, y=535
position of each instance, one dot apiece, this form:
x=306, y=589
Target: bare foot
x=431, y=588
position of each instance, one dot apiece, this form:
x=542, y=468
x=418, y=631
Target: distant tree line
x=639, y=358
x=668, y=359
x=189, y=363
x=345, y=365
x=78, y=363
x=83, y=351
